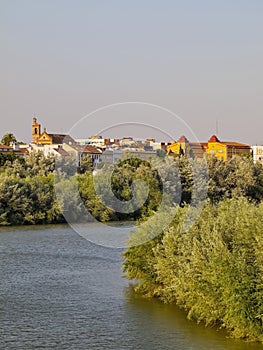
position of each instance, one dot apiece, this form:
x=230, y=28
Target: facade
x=157, y=145
x=140, y=153
x=111, y=155
x=96, y=141
x=14, y=149
x=257, y=154
x=55, y=150
x=226, y=150
x=126, y=142
x=79, y=152
x=5, y=149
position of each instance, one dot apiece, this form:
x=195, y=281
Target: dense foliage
x=29, y=196
x=214, y=269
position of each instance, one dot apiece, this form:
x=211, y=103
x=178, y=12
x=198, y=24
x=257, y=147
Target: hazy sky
x=63, y=59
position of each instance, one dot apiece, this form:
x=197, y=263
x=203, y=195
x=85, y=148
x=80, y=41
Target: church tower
x=36, y=130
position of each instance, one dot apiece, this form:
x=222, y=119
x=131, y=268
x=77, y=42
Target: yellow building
x=214, y=147
x=46, y=138
x=184, y=147
x=226, y=150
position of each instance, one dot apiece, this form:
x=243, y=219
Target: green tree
x=8, y=138
x=86, y=164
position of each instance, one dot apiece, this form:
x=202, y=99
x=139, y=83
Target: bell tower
x=36, y=130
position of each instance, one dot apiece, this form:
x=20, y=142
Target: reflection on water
x=167, y=324
x=59, y=291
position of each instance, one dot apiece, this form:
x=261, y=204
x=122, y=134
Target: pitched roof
x=61, y=138
x=86, y=149
x=235, y=144
x=62, y=152
x=92, y=149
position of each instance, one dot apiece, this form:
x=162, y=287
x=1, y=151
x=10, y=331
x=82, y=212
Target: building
x=184, y=147
x=140, y=153
x=96, y=141
x=226, y=150
x=111, y=155
x=5, y=149
x=81, y=151
x=14, y=149
x=214, y=147
x=45, y=138
x=47, y=150
x=257, y=154
x=127, y=142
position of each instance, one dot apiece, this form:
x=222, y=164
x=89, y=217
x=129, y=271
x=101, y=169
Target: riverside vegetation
x=214, y=270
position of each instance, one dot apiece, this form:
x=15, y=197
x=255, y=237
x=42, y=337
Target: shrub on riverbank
x=214, y=270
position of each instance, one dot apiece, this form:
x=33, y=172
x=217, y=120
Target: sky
x=163, y=68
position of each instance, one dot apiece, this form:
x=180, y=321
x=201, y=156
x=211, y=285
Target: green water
x=59, y=291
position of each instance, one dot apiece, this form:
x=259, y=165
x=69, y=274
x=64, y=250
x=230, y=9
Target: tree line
x=29, y=188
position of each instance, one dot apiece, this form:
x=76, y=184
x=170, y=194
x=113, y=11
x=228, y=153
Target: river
x=60, y=291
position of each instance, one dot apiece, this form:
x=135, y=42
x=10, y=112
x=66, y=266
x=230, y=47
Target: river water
x=59, y=291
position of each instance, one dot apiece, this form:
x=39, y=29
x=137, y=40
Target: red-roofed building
x=226, y=150
x=81, y=151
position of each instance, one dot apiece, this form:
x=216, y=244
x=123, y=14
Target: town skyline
x=119, y=136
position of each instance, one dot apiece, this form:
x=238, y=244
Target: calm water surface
x=59, y=291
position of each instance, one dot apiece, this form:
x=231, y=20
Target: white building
x=111, y=155
x=55, y=150
x=81, y=151
x=257, y=154
x=93, y=141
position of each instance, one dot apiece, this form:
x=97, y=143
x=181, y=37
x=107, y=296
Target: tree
x=86, y=164
x=8, y=138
